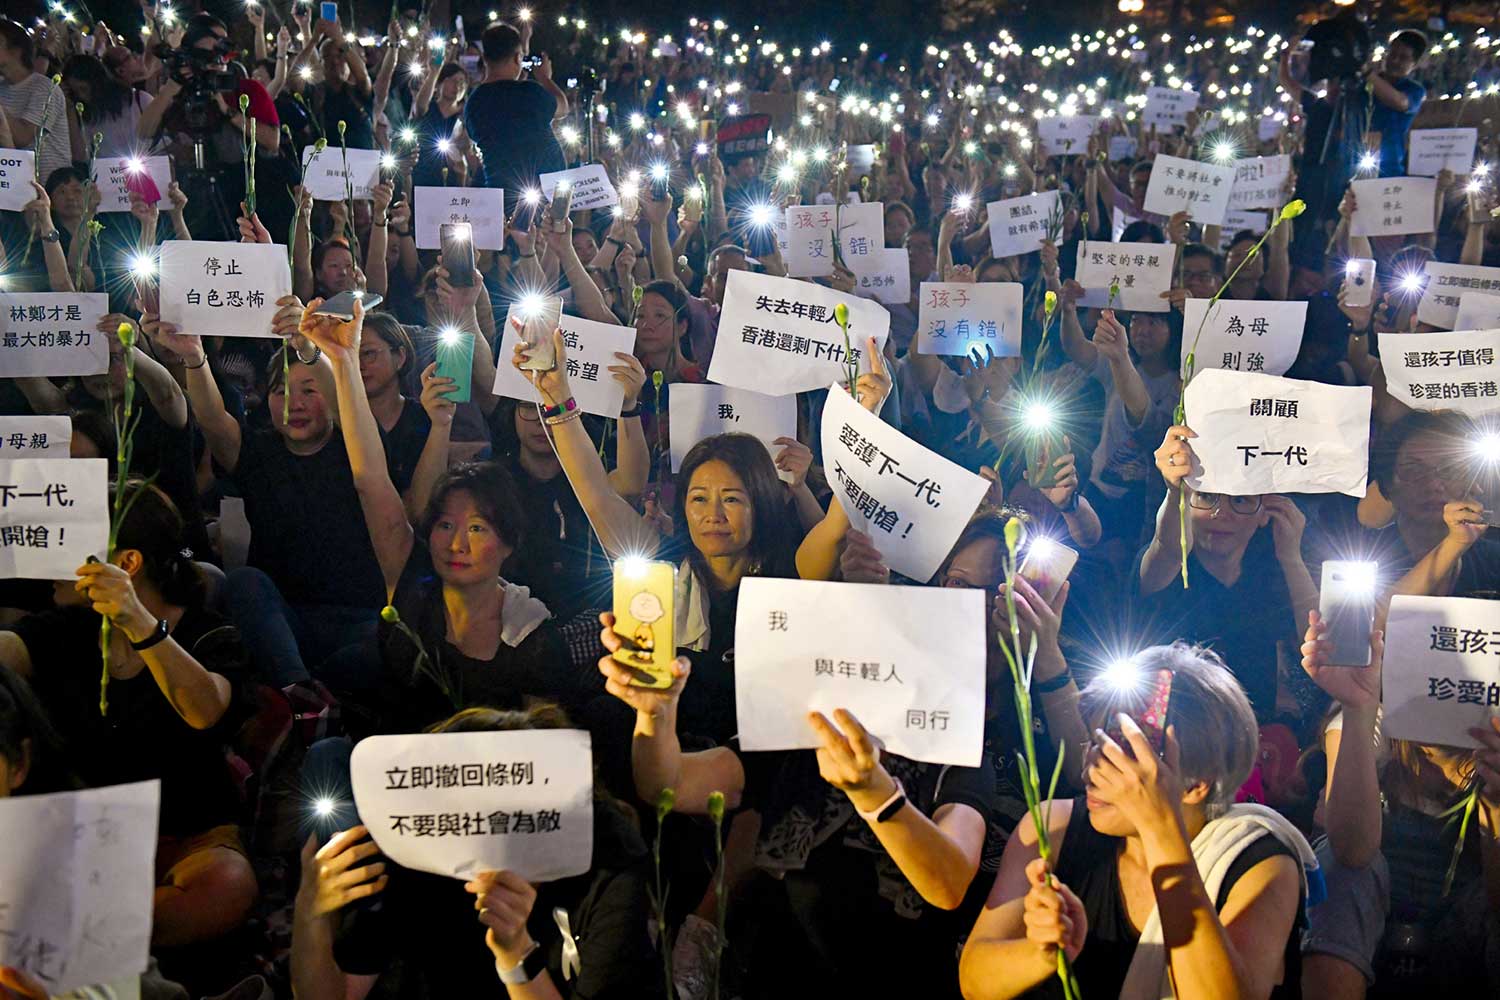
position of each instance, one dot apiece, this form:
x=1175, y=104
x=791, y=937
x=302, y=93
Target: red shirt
x=262, y=108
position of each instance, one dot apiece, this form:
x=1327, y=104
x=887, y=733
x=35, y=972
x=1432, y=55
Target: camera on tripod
x=202, y=73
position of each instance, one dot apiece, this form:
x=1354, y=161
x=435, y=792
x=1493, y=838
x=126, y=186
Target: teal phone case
x=456, y=361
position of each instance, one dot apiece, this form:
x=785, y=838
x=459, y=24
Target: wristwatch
x=533, y=964
x=53, y=237
x=158, y=634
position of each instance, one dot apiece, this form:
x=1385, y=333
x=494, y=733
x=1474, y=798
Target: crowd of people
x=1210, y=854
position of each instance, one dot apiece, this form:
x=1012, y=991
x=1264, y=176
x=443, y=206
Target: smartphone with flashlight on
x=661, y=180
x=562, y=201
x=1152, y=717
x=1359, y=282
x=457, y=241
x=341, y=305
x=328, y=814
x=1041, y=451
x=1346, y=601
x=540, y=316
x=455, y=360
x=644, y=620
x=1046, y=565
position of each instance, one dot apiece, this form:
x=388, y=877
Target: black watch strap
x=158, y=635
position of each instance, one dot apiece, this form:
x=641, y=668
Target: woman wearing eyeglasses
x=1247, y=590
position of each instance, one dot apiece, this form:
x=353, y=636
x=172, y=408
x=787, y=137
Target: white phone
x=1346, y=602
x=1046, y=564
x=1359, y=282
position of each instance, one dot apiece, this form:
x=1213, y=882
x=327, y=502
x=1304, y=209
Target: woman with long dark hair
x=111, y=108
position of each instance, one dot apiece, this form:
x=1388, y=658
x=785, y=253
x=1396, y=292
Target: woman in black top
x=430, y=924
x=172, y=707
x=1157, y=884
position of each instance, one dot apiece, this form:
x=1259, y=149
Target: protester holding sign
x=175, y=695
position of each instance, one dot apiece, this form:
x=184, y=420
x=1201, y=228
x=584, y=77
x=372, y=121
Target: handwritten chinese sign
x=53, y=516
x=810, y=233
x=591, y=349
x=703, y=410
x=1066, y=135
x=482, y=208
x=1258, y=182
x=1446, y=284
x=1442, y=669
x=1443, y=371
x=1167, y=108
x=1243, y=335
x=908, y=662
x=1141, y=272
x=326, y=177
x=1019, y=225
x=1393, y=206
x=955, y=318
x=223, y=289
x=35, y=437
x=1191, y=186
x=458, y=804
x=52, y=333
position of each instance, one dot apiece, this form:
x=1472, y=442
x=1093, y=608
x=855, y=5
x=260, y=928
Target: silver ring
x=1172, y=459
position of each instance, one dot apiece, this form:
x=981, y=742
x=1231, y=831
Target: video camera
x=202, y=73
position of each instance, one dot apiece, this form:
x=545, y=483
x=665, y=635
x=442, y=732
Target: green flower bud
x=716, y=807
x=78, y=107
x=244, y=102
x=665, y=803
x=320, y=145
x=656, y=379
x=1292, y=209
x=342, y=126
x=1049, y=302
x=1014, y=532
x=390, y=615
x=126, y=333
x=841, y=316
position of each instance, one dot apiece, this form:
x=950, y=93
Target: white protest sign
x=77, y=879
x=1258, y=182
x=1166, y=108
x=1246, y=335
x=1445, y=284
x=1392, y=206
x=1122, y=147
x=1442, y=669
x=1197, y=188
x=53, y=516
x=111, y=172
x=908, y=662
x=1443, y=371
x=53, y=333
x=1141, y=272
x=1477, y=311
x=956, y=318
x=861, y=234
x=1120, y=220
x=223, y=289
x=1433, y=150
x=809, y=240
x=1019, y=225
x=861, y=159
x=325, y=176
x=1236, y=222
x=885, y=277
x=779, y=336
x=591, y=349
x=17, y=171
x=458, y=804
x=912, y=501
x=699, y=411
x=1266, y=434
x=1268, y=128
x=590, y=185
x=1066, y=135
x=482, y=208
x=35, y=437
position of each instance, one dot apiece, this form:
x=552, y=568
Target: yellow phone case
x=645, y=619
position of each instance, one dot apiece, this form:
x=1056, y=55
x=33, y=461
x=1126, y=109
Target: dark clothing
x=427, y=923
x=341, y=104
x=433, y=127
x=563, y=565
x=1088, y=864
x=1334, y=531
x=307, y=529
x=1241, y=622
x=511, y=120
x=1392, y=125
x=536, y=667
x=404, y=443
x=142, y=736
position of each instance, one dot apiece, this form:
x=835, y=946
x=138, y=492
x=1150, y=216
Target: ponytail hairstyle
x=153, y=527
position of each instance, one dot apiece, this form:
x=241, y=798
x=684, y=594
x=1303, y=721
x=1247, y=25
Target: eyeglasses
x=1416, y=474
x=1213, y=501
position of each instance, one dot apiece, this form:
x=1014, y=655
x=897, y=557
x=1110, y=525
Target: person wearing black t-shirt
x=385, y=362
x=511, y=118
x=311, y=585
x=175, y=697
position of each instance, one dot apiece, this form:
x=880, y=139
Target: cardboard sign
x=1066, y=135
x=746, y=135
x=1433, y=150
x=326, y=177
x=1197, y=188
x=111, y=173
x=701, y=411
x=77, y=881
x=778, y=336
x=591, y=349
x=482, y=208
x=35, y=437
x=1393, y=206
x=1442, y=669
x=1019, y=225
x=1141, y=272
x=590, y=185
x=17, y=171
x=53, y=516
x=885, y=277
x=1477, y=311
x=809, y=240
x=1242, y=335
x=1443, y=371
x=1446, y=283
x=459, y=804
x=1167, y=108
x=956, y=318
x=907, y=662
x=1258, y=182
x=912, y=501
x=223, y=289
x=1265, y=434
x=53, y=333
